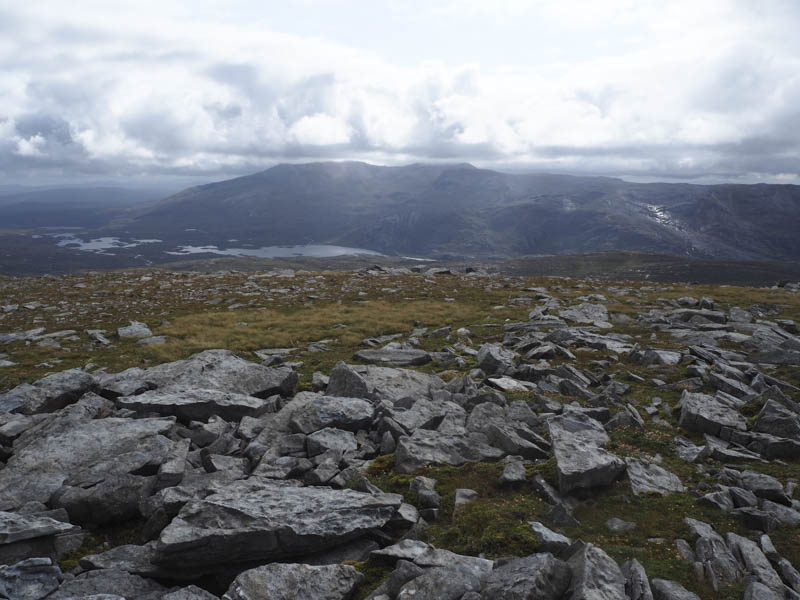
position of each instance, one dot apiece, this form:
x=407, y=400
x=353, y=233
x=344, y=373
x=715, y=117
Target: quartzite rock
x=649, y=478
x=426, y=447
x=195, y=404
x=702, y=413
x=395, y=358
x=31, y=579
x=211, y=369
x=111, y=445
x=350, y=414
x=595, y=575
x=581, y=461
x=295, y=582
x=265, y=520
x=115, y=583
x=534, y=577
x=664, y=589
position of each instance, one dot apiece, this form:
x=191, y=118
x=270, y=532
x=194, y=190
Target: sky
x=197, y=90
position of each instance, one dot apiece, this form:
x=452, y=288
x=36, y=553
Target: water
x=98, y=244
x=311, y=250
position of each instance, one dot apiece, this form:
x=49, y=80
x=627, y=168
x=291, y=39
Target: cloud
x=643, y=88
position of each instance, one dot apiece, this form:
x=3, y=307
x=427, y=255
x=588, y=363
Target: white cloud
x=621, y=87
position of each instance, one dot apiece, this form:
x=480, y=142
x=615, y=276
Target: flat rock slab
x=110, y=445
x=211, y=369
x=426, y=447
x=649, y=478
x=295, y=582
x=595, y=575
x=395, y=358
x=195, y=404
x=703, y=413
x=15, y=527
x=387, y=383
x=539, y=576
x=258, y=519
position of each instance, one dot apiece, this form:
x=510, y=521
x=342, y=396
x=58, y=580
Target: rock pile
x=247, y=488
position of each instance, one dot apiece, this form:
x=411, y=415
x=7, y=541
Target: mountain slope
x=459, y=210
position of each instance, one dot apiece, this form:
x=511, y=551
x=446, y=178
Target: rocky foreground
x=238, y=485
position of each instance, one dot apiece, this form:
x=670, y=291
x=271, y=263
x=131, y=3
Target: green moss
x=374, y=572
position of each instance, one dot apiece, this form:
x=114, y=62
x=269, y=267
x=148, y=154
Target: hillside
x=383, y=433
x=460, y=211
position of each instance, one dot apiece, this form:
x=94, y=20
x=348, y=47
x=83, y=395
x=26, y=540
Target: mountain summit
x=458, y=210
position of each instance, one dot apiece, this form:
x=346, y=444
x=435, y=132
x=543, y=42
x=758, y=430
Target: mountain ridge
x=458, y=210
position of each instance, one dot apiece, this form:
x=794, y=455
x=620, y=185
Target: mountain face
x=461, y=211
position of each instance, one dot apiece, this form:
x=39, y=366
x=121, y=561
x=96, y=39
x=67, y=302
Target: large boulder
x=493, y=359
x=426, y=447
x=664, y=589
x=777, y=420
x=649, y=478
x=350, y=414
x=577, y=442
x=101, y=446
x=48, y=394
x=704, y=414
x=210, y=369
x=31, y=579
x=195, y=404
x=279, y=581
x=258, y=519
x=534, y=577
x=595, y=575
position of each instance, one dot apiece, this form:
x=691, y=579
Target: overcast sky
x=697, y=90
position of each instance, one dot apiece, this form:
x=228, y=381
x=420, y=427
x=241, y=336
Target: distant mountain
x=462, y=211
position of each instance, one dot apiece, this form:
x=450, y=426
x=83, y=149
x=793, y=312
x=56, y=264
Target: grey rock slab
x=48, y=394
x=754, y=561
x=784, y=514
x=194, y=404
x=513, y=472
x=393, y=357
x=494, y=359
x=549, y=540
x=210, y=369
x=288, y=581
x=581, y=461
x=117, y=584
x=30, y=579
x=111, y=445
x=595, y=575
x=758, y=591
x=350, y=414
x=15, y=527
x=534, y=577
x=637, y=585
x=330, y=439
x=618, y=525
x=763, y=486
x=720, y=565
x=191, y=592
x=649, y=478
x=587, y=313
x=426, y=447
x=777, y=420
x=136, y=330
x=345, y=381
x=103, y=499
x=129, y=558
x=704, y=414
x=664, y=589
x=386, y=383
x=266, y=520
x=441, y=583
